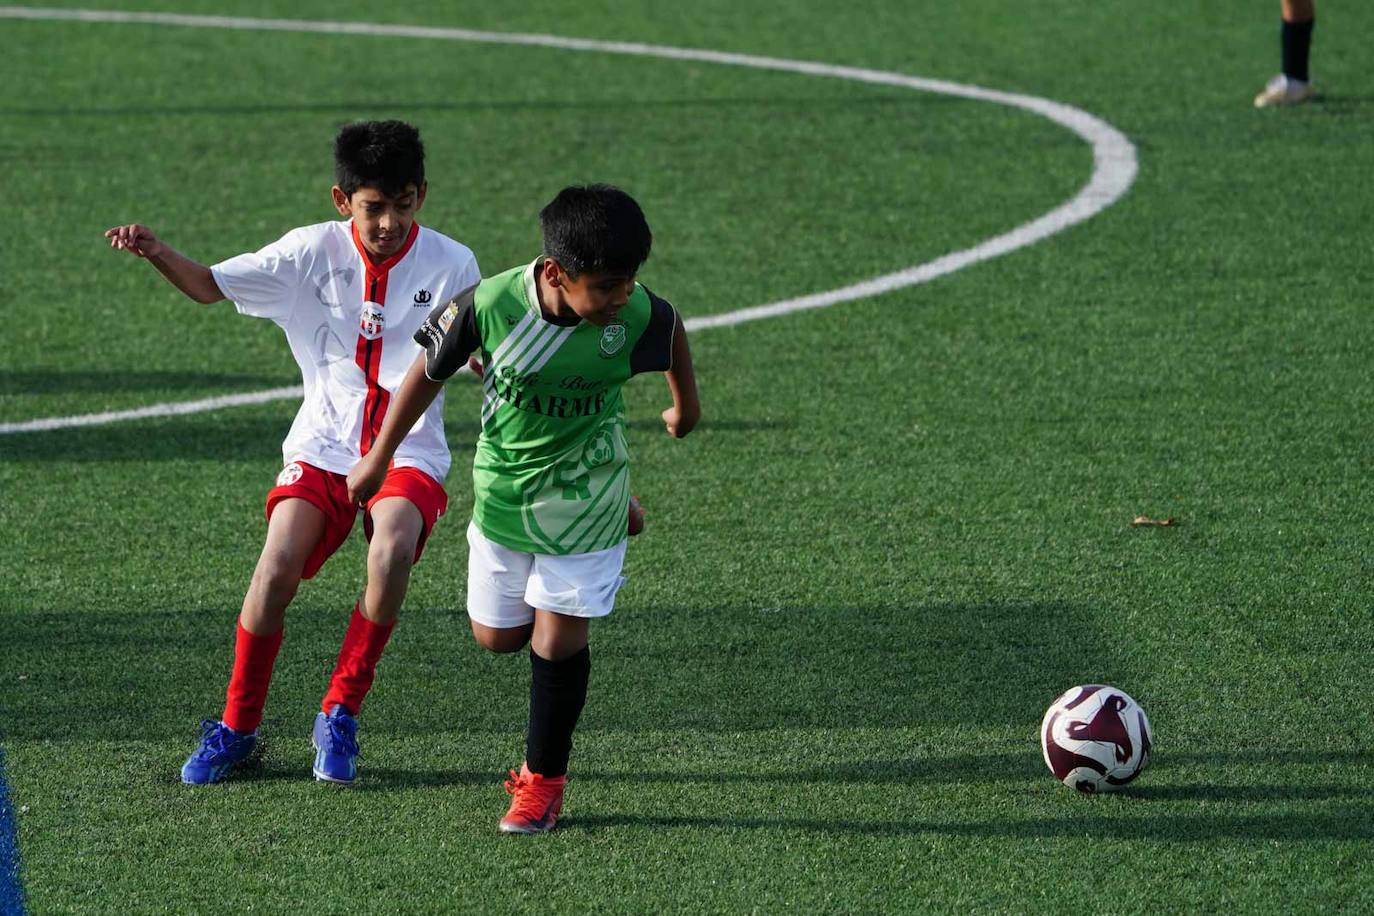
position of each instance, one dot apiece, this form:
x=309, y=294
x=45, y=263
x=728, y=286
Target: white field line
x=1114, y=164
x=155, y=410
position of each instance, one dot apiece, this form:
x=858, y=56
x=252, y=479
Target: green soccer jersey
x=552, y=469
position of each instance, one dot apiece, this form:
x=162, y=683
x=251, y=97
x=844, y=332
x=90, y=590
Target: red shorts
x=328, y=492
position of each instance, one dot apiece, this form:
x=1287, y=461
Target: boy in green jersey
x=556, y=338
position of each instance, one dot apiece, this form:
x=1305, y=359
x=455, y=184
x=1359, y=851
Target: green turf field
x=902, y=529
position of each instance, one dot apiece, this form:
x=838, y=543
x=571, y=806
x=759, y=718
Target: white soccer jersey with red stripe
x=351, y=324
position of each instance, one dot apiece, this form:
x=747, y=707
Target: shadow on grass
x=722, y=426
x=1274, y=756
x=1204, y=792
x=237, y=434
x=712, y=669
x=1020, y=766
x=990, y=663
x=228, y=436
x=370, y=779
x=293, y=765
x=951, y=768
x=385, y=779
x=1357, y=824
x=47, y=382
x=955, y=769
x=807, y=103
x=1340, y=104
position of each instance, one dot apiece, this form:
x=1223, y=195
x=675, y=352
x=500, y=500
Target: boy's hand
x=136, y=239
x=682, y=417
x=679, y=422
x=365, y=480
x=475, y=367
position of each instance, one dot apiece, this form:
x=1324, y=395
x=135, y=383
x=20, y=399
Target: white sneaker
x=1283, y=91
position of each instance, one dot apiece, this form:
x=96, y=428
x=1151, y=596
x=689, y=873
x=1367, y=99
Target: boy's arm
x=191, y=277
x=448, y=336
x=412, y=399
x=682, y=417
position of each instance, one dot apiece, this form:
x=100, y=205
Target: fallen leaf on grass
x=1144, y=520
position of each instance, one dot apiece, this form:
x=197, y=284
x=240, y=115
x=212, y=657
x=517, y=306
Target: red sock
x=362, y=647
x=254, y=656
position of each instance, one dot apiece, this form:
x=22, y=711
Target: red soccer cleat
x=536, y=803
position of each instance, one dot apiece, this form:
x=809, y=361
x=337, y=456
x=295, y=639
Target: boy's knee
x=390, y=557
x=502, y=640
x=276, y=581
x=559, y=636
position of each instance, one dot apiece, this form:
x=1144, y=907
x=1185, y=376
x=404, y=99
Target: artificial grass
x=902, y=529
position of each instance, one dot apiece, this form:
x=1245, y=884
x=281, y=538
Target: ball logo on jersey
x=599, y=451
x=290, y=474
x=612, y=340
x=372, y=322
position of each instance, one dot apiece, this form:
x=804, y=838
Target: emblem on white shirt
x=328, y=345
x=372, y=322
x=329, y=287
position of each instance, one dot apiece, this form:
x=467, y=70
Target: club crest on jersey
x=423, y=297
x=372, y=322
x=612, y=340
x=290, y=474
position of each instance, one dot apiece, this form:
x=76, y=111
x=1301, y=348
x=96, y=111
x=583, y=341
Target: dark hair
x=595, y=228
x=386, y=155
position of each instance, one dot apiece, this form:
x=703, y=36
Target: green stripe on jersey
x=551, y=474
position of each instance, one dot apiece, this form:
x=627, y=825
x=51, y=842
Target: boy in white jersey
x=350, y=295
x=557, y=339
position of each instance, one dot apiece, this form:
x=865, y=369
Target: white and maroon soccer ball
x=1095, y=738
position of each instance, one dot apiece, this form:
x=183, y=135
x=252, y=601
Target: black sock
x=1296, y=39
x=557, y=692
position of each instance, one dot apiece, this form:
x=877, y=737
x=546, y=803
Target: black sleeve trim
x=653, y=351
x=449, y=335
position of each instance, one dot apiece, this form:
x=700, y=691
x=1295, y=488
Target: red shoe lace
x=533, y=797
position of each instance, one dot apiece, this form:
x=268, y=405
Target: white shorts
x=505, y=586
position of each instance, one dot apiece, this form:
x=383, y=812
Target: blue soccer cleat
x=220, y=749
x=335, y=740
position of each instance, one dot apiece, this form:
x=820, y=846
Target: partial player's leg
x=501, y=640
x=501, y=619
x=295, y=529
x=396, y=529
x=1293, y=85
x=1298, y=10
x=560, y=666
x=581, y=587
x=398, y=521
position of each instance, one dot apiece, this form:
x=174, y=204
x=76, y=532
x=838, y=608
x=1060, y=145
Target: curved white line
x=1114, y=163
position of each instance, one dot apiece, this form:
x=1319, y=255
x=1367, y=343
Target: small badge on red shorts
x=290, y=474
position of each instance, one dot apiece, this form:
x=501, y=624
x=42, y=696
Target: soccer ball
x=1095, y=738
